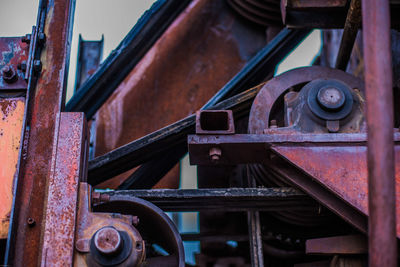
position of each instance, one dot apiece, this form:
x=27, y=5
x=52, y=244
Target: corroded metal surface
x=11, y=116
x=44, y=103
x=158, y=142
x=222, y=199
x=88, y=225
x=214, y=122
x=351, y=27
x=68, y=167
x=263, y=104
x=350, y=244
x=201, y=51
x=89, y=57
x=380, y=123
x=13, y=54
x=154, y=224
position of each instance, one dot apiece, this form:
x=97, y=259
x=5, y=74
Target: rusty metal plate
x=11, y=117
x=343, y=170
x=12, y=53
x=197, y=55
x=44, y=102
x=68, y=167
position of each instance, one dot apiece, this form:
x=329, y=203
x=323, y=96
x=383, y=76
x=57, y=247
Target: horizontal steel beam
x=227, y=199
x=252, y=148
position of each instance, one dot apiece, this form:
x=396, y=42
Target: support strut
x=379, y=96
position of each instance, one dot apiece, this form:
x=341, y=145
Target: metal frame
x=48, y=78
x=55, y=20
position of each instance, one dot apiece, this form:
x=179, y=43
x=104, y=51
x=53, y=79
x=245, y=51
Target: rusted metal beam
x=157, y=143
x=380, y=122
x=45, y=101
x=89, y=58
x=95, y=91
x=351, y=26
x=232, y=199
x=345, y=245
x=259, y=68
x=251, y=148
x=61, y=203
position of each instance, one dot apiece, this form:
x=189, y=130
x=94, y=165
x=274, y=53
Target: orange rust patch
x=11, y=116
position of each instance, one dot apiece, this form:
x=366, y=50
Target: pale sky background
x=114, y=19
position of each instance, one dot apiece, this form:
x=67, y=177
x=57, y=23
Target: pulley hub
x=329, y=99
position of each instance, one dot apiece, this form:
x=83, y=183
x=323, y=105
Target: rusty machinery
x=299, y=169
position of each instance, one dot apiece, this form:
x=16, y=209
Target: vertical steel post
x=379, y=96
x=45, y=100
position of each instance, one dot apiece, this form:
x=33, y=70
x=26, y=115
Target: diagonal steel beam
x=95, y=91
x=161, y=146
x=158, y=143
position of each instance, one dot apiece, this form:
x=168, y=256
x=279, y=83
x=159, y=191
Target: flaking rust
x=11, y=117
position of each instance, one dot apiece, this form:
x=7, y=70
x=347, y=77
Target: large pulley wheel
x=263, y=106
x=154, y=225
x=268, y=106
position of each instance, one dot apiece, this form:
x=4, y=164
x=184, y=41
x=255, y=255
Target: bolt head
x=9, y=75
x=331, y=98
x=215, y=154
x=135, y=220
x=6, y=70
x=37, y=65
x=41, y=38
x=273, y=124
x=27, y=38
x=22, y=65
x=108, y=240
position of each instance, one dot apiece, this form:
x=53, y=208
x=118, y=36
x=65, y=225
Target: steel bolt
x=22, y=66
x=37, y=65
x=135, y=220
x=108, y=240
x=215, y=154
x=9, y=75
x=41, y=38
x=27, y=38
x=6, y=70
x=99, y=198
